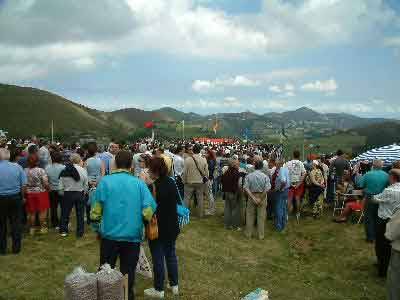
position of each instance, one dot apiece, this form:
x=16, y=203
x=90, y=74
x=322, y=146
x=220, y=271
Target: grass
x=317, y=259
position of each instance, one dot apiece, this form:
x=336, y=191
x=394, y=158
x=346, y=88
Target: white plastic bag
x=110, y=284
x=143, y=266
x=80, y=285
x=258, y=294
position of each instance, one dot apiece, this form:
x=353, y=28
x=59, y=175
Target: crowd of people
x=120, y=189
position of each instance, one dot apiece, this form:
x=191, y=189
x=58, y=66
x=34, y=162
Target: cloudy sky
x=208, y=55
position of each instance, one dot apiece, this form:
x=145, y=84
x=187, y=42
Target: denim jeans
x=281, y=198
x=164, y=251
x=11, y=210
x=232, y=210
x=271, y=205
x=128, y=253
x=54, y=202
x=370, y=218
x=69, y=200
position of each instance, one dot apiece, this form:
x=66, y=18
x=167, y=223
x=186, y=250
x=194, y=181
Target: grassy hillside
x=316, y=260
x=28, y=111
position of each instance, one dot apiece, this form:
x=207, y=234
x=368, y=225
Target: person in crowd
x=137, y=158
x=280, y=184
x=195, y=176
x=389, y=203
x=352, y=204
x=339, y=165
x=44, y=154
x=53, y=172
x=297, y=173
x=271, y=171
x=212, y=170
x=179, y=164
x=23, y=161
x=120, y=204
x=12, y=188
x=73, y=186
x=163, y=249
x=95, y=171
x=230, y=189
x=37, y=196
x=144, y=163
x=256, y=186
x=160, y=152
x=317, y=187
x=393, y=235
x=325, y=169
x=373, y=183
x=108, y=157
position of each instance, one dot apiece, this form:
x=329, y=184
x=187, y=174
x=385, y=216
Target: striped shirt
x=389, y=201
x=257, y=182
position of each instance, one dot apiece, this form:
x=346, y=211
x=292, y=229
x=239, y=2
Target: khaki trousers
x=195, y=190
x=256, y=212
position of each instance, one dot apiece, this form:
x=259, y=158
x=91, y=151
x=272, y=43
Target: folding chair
x=338, y=202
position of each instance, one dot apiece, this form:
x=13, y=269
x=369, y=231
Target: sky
x=208, y=56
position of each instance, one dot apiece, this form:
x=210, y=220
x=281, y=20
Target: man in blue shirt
x=373, y=183
x=281, y=186
x=119, y=206
x=12, y=183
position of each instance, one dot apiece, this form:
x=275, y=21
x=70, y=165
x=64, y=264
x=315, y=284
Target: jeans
x=164, y=251
x=383, y=247
x=70, y=200
x=11, y=210
x=370, y=218
x=271, y=204
x=54, y=201
x=128, y=253
x=281, y=198
x=232, y=210
x=393, y=277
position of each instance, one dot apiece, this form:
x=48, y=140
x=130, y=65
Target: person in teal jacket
x=373, y=183
x=121, y=204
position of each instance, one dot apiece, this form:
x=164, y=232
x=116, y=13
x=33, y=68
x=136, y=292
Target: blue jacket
x=120, y=204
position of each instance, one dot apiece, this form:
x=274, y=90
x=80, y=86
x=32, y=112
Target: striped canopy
x=389, y=154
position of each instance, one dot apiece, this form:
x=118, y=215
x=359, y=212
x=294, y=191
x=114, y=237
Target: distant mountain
x=27, y=111
x=380, y=134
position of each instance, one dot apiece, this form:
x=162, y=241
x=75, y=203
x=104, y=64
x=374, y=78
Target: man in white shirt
x=297, y=173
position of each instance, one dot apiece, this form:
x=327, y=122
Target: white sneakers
x=153, y=293
x=174, y=289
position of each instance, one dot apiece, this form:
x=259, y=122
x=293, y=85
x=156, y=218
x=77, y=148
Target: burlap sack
x=109, y=284
x=80, y=285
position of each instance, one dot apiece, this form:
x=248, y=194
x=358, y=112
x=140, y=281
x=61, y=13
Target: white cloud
x=221, y=83
x=290, y=94
x=327, y=86
x=289, y=87
x=275, y=89
x=392, y=41
x=377, y=101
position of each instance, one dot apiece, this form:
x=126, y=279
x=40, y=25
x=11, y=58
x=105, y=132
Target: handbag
x=205, y=178
x=182, y=210
x=152, y=225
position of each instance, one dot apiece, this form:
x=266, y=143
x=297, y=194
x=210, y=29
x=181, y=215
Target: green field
x=316, y=260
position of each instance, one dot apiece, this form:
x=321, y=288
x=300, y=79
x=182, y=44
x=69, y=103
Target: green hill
x=28, y=111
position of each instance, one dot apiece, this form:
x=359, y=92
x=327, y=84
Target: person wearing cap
x=389, y=203
x=317, y=186
x=12, y=186
x=373, y=183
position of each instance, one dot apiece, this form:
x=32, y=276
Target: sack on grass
x=110, y=284
x=80, y=285
x=258, y=294
x=143, y=266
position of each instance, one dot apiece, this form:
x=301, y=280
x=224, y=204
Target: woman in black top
x=167, y=197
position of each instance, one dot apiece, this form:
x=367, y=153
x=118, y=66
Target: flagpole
x=183, y=129
x=52, y=131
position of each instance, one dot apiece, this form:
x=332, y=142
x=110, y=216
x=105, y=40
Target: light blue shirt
x=122, y=198
x=93, y=168
x=283, y=177
x=12, y=178
x=106, y=157
x=53, y=172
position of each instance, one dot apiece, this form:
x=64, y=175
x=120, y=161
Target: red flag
x=149, y=124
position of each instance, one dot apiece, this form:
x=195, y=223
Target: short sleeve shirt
x=37, y=178
x=296, y=170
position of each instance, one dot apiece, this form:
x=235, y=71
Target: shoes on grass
x=153, y=293
x=174, y=289
x=32, y=231
x=44, y=230
x=63, y=234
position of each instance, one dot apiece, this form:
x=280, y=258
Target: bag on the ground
x=80, y=285
x=143, y=266
x=110, y=284
x=258, y=294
